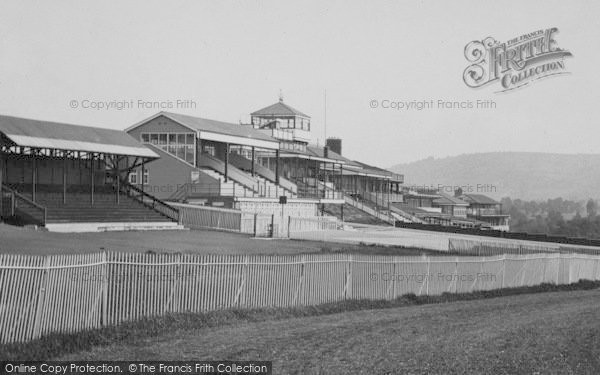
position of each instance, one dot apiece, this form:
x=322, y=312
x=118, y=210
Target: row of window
x=134, y=177
x=181, y=145
x=292, y=146
x=289, y=123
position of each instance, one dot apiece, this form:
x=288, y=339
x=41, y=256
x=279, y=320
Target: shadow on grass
x=56, y=344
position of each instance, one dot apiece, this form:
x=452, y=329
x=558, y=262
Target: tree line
x=554, y=217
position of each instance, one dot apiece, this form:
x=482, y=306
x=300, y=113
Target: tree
x=591, y=208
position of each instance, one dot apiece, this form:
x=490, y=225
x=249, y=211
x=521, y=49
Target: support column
x=33, y=176
x=198, y=152
x=253, y=160
x=277, y=166
x=342, y=187
x=226, y=162
x=1, y=181
x=64, y=177
x=92, y=179
x=143, y=172
x=118, y=178
x=389, y=195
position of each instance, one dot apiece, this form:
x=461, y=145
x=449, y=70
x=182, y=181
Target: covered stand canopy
x=38, y=139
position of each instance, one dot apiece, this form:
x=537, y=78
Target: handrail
x=363, y=207
x=320, y=190
x=405, y=214
x=22, y=198
x=206, y=160
x=262, y=171
x=195, y=190
x=157, y=204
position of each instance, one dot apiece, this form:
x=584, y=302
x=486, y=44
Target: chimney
x=335, y=145
x=326, y=151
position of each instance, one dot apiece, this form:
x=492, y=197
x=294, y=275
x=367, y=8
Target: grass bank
x=57, y=345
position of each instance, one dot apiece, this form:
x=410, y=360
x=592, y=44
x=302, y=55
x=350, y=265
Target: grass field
x=18, y=240
x=545, y=333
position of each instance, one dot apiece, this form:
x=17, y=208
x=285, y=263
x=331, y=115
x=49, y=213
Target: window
x=133, y=178
x=209, y=149
x=189, y=154
x=146, y=176
x=180, y=145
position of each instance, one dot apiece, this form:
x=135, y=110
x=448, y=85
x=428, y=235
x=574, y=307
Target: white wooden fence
x=70, y=293
x=487, y=247
x=260, y=225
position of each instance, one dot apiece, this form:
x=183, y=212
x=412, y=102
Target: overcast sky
x=232, y=58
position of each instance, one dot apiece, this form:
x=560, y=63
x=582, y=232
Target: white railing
x=363, y=207
x=41, y=295
x=259, y=225
x=200, y=217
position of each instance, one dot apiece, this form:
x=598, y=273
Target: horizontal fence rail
x=260, y=225
x=199, y=217
x=40, y=295
x=487, y=248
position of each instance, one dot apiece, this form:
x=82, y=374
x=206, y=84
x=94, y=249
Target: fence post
x=105, y=273
x=272, y=225
x=503, y=270
x=289, y=226
x=41, y=300
x=559, y=261
x=570, y=266
x=301, y=283
x=242, y=286
x=255, y=223
x=179, y=282
x=456, y=274
x=394, y=291
x=348, y=286
x=428, y=275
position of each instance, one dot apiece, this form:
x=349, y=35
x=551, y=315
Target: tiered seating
x=231, y=187
x=78, y=207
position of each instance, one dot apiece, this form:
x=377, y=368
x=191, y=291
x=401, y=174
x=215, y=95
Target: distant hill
x=523, y=175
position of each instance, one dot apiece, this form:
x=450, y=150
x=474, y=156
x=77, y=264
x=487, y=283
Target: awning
x=70, y=145
x=53, y=135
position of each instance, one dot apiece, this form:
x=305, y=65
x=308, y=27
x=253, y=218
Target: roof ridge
x=273, y=106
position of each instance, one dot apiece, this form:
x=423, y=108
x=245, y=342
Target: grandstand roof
x=242, y=134
x=478, y=199
x=54, y=135
x=279, y=109
x=448, y=200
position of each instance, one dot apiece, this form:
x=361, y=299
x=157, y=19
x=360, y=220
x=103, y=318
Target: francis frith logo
x=515, y=63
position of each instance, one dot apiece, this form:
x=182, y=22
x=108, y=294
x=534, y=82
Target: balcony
x=479, y=212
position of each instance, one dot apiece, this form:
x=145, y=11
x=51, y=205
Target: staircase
x=266, y=176
x=371, y=209
x=240, y=183
x=401, y=211
x=230, y=188
x=269, y=189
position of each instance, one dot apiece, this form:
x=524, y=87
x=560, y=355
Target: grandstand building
x=250, y=167
x=67, y=177
x=73, y=178
x=486, y=209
